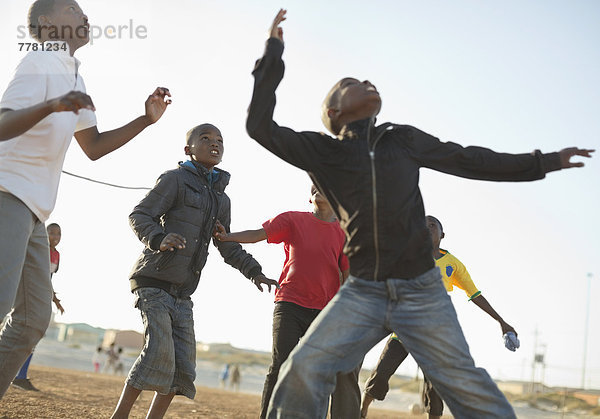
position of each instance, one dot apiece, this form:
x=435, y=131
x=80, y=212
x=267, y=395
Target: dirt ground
x=74, y=394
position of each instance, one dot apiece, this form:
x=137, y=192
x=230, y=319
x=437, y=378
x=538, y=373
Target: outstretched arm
x=17, y=122
x=483, y=304
x=246, y=236
x=234, y=255
x=484, y=164
x=302, y=149
x=96, y=144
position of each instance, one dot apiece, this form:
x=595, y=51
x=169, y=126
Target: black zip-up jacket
x=371, y=174
x=186, y=202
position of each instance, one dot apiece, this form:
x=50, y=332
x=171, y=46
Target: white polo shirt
x=31, y=164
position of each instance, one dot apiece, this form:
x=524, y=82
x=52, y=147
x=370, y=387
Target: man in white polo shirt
x=43, y=107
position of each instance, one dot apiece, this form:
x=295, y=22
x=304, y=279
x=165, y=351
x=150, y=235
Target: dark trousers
x=377, y=385
x=290, y=323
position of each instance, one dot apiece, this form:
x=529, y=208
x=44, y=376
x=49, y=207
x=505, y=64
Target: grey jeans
x=25, y=286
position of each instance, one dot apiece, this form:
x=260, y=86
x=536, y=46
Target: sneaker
x=24, y=384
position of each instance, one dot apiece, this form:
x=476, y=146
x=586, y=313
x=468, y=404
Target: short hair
x=52, y=225
x=437, y=221
x=330, y=100
x=191, y=133
x=37, y=9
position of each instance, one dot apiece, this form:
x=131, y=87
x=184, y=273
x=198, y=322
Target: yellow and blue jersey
x=454, y=274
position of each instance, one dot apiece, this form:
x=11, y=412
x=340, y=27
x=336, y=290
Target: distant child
x=111, y=358
x=43, y=107
x=224, y=376
x=370, y=176
x=454, y=274
x=119, y=368
x=236, y=378
x=314, y=267
x=97, y=358
x=175, y=221
x=54, y=236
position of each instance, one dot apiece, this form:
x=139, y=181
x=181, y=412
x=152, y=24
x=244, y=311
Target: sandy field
x=74, y=394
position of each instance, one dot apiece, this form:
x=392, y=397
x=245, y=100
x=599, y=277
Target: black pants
x=290, y=323
x=392, y=356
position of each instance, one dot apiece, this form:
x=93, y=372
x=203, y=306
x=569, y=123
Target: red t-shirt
x=313, y=258
x=54, y=260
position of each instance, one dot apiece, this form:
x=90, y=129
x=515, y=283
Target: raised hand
x=258, y=280
x=156, y=104
x=72, y=102
x=57, y=303
x=276, y=31
x=171, y=242
x=219, y=233
x=567, y=153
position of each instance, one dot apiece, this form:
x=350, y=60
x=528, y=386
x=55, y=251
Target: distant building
x=80, y=333
x=53, y=329
x=222, y=348
x=592, y=397
x=523, y=387
x=124, y=338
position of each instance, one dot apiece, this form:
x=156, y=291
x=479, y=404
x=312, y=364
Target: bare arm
x=345, y=273
x=483, y=304
x=57, y=303
x=96, y=144
x=17, y=122
x=247, y=236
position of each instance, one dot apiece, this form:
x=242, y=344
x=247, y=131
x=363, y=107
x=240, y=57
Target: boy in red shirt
x=314, y=267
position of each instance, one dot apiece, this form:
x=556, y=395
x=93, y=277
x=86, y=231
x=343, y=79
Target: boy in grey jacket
x=175, y=221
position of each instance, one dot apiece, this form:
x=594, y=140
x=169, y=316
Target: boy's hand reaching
x=276, y=31
x=57, y=303
x=171, y=242
x=258, y=280
x=566, y=154
x=156, y=104
x=507, y=328
x=220, y=233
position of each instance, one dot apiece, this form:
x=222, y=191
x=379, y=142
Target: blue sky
x=512, y=76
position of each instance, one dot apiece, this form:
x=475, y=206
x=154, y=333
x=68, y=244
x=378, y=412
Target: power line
x=106, y=183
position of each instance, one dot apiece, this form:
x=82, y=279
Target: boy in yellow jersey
x=454, y=274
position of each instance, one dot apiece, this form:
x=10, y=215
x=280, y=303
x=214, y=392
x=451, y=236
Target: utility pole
x=533, y=362
x=585, y=333
x=539, y=354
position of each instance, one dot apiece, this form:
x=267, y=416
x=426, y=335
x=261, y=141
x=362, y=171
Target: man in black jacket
x=175, y=221
x=370, y=176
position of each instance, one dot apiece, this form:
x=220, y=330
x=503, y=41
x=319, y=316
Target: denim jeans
x=362, y=313
x=167, y=363
x=290, y=323
x=25, y=286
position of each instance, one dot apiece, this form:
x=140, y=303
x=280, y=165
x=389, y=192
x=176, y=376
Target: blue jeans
x=25, y=286
x=167, y=363
x=362, y=313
